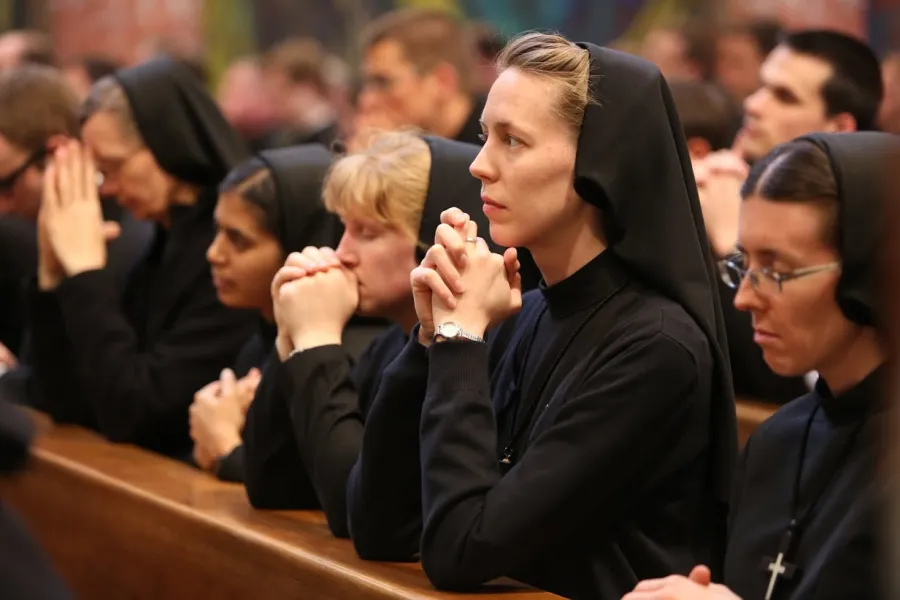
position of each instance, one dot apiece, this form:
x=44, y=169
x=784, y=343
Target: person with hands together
x=302, y=441
x=269, y=207
x=128, y=364
x=589, y=443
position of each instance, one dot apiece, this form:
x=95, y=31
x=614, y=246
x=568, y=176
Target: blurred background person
x=85, y=71
x=488, y=44
x=682, y=53
x=740, y=51
x=245, y=101
x=297, y=85
x=707, y=116
x=26, y=46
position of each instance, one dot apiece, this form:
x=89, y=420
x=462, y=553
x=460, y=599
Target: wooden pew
x=750, y=415
x=120, y=522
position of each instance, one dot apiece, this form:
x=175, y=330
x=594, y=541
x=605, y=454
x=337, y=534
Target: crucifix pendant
x=779, y=567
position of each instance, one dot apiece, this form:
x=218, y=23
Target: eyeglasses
x=9, y=182
x=765, y=280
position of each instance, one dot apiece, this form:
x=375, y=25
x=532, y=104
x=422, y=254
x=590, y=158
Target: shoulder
x=787, y=423
x=645, y=317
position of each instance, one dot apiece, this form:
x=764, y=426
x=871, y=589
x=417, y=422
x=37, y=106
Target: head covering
x=180, y=122
x=301, y=219
x=633, y=163
x=861, y=163
x=451, y=184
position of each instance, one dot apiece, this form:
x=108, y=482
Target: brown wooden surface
x=750, y=415
x=123, y=523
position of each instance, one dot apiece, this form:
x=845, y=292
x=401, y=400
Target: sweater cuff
x=458, y=365
x=300, y=367
x=87, y=289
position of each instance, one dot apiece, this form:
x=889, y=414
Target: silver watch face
x=449, y=330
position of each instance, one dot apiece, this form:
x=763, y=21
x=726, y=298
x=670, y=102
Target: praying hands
x=72, y=235
x=314, y=297
x=461, y=281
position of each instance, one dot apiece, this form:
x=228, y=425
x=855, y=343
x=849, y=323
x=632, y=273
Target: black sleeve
x=16, y=432
x=231, y=467
x=477, y=526
x=274, y=475
x=136, y=395
x=328, y=426
x=740, y=470
x=383, y=492
x=59, y=391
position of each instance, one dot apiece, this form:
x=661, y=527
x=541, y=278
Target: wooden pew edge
x=308, y=558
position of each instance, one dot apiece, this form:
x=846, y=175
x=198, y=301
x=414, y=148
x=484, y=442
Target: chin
x=785, y=366
x=505, y=235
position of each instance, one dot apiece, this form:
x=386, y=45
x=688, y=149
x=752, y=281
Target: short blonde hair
x=386, y=181
x=555, y=58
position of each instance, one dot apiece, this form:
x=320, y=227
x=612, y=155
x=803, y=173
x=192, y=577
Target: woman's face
x=527, y=164
x=381, y=257
x=801, y=328
x=130, y=172
x=244, y=255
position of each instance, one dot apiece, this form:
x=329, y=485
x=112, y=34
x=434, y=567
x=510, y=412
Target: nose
x=754, y=102
x=367, y=100
x=108, y=189
x=214, y=254
x=481, y=167
x=346, y=251
x=748, y=299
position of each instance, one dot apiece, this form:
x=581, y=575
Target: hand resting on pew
x=697, y=586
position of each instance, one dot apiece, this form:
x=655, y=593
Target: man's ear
x=842, y=123
x=447, y=76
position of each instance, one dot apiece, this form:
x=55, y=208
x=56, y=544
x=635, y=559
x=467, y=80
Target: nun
x=301, y=446
x=803, y=520
x=268, y=207
x=128, y=365
x=601, y=446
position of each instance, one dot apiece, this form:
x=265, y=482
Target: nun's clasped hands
x=72, y=235
x=461, y=281
x=314, y=297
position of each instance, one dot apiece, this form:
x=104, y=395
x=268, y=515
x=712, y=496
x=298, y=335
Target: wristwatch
x=451, y=332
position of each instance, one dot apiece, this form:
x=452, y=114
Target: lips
x=488, y=201
x=763, y=337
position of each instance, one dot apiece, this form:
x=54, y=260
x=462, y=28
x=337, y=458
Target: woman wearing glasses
x=801, y=518
x=129, y=366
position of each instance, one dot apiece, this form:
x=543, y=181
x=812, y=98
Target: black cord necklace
x=819, y=481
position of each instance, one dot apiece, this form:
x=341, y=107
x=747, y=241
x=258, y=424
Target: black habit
x=302, y=441
x=298, y=219
x=599, y=450
x=814, y=462
x=130, y=368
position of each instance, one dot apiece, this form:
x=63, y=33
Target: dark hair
x=700, y=47
x=705, y=112
x=765, y=32
x=799, y=172
x=855, y=85
x=252, y=180
x=488, y=41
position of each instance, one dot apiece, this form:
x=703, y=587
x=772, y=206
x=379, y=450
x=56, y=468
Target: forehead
x=103, y=136
x=802, y=74
x=386, y=54
x=234, y=212
x=791, y=228
x=525, y=102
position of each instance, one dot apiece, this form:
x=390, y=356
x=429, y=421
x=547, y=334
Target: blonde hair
x=553, y=57
x=386, y=181
x=108, y=96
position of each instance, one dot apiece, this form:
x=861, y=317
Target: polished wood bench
x=120, y=522
x=750, y=415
